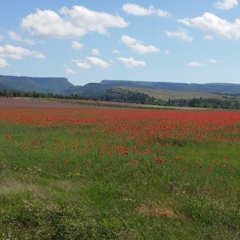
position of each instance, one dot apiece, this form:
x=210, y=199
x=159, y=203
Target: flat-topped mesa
x=56, y=85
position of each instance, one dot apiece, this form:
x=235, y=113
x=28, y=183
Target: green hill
x=34, y=84
x=97, y=89
x=64, y=87
x=166, y=94
x=170, y=86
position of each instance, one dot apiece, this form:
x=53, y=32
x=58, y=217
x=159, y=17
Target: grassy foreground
x=119, y=174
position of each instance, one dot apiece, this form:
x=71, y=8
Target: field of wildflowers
x=119, y=173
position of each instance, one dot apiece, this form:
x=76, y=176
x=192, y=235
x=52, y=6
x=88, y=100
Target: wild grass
x=119, y=174
x=173, y=95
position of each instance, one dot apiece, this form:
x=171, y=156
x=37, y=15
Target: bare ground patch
x=156, y=211
x=13, y=186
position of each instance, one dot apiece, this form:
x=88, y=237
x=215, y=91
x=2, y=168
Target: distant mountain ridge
x=63, y=86
x=35, y=84
x=182, y=87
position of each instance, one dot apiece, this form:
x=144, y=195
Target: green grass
x=173, y=95
x=71, y=182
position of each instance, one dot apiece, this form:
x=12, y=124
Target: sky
x=186, y=41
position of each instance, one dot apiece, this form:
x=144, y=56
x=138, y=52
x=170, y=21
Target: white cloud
x=76, y=45
x=81, y=63
x=166, y=51
x=74, y=22
x=137, y=10
x=226, y=4
x=137, y=46
x=182, y=34
x=214, y=61
x=162, y=13
x=69, y=70
x=3, y=63
x=131, y=63
x=16, y=37
x=214, y=26
x=98, y=62
x=208, y=37
x=195, y=64
x=95, y=51
x=115, y=51
x=91, y=61
x=10, y=51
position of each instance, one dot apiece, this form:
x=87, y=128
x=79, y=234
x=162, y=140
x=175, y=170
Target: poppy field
x=119, y=173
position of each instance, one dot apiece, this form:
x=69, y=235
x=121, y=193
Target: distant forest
x=136, y=97
x=14, y=93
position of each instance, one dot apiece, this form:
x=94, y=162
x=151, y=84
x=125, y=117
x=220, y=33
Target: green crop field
x=173, y=95
x=118, y=173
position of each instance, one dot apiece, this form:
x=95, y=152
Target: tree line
x=14, y=93
x=128, y=96
x=143, y=98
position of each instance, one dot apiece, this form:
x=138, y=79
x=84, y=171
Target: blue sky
x=86, y=41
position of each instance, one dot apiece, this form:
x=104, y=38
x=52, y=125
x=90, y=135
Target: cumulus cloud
x=214, y=61
x=137, y=46
x=208, y=37
x=226, y=4
x=9, y=51
x=76, y=45
x=3, y=63
x=16, y=37
x=137, y=10
x=195, y=64
x=69, y=70
x=214, y=26
x=91, y=61
x=98, y=62
x=67, y=23
x=81, y=63
x=182, y=34
x=95, y=51
x=115, y=51
x=131, y=63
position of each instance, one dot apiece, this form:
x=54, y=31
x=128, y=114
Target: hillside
x=171, y=98
x=34, y=84
x=64, y=87
x=88, y=90
x=182, y=87
x=165, y=95
x=97, y=89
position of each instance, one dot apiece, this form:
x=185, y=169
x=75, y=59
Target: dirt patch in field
x=12, y=186
x=156, y=211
